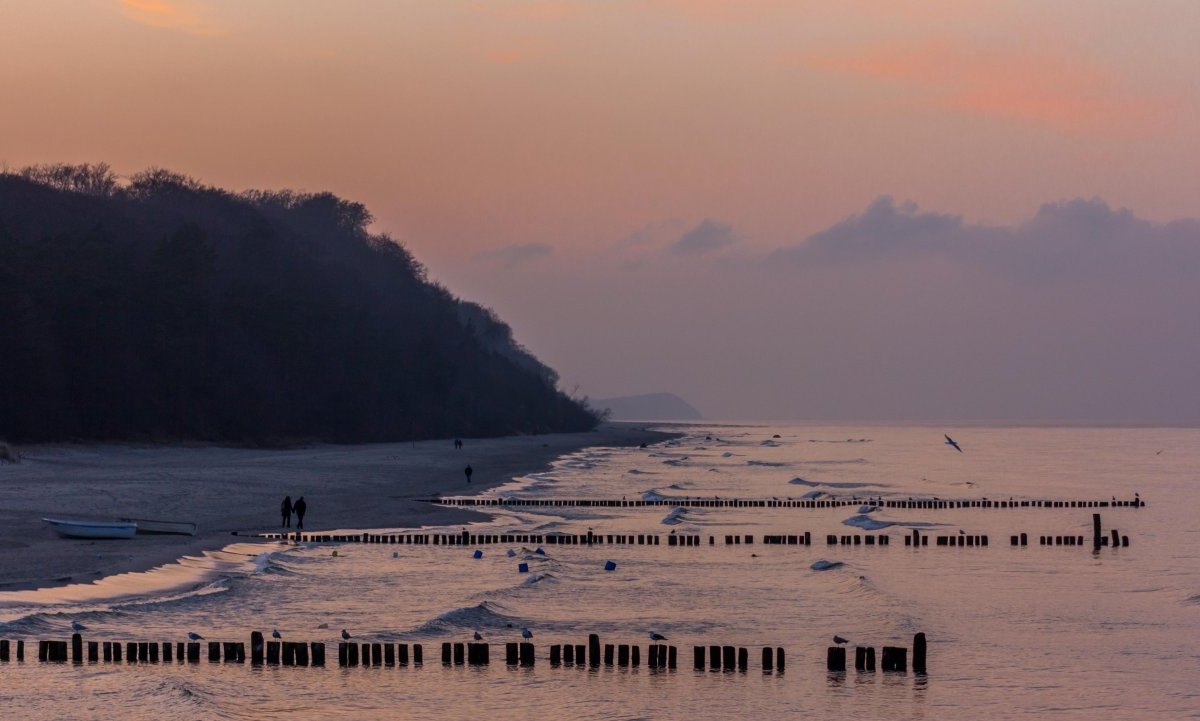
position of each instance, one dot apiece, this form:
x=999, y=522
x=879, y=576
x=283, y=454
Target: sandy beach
x=233, y=490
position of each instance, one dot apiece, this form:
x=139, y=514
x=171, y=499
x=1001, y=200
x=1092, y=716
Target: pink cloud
x=180, y=15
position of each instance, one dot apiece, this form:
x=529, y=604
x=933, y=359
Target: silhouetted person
x=286, y=510
x=300, y=508
x=468, y=470
x=457, y=443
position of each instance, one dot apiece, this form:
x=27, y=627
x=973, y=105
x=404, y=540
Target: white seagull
x=950, y=442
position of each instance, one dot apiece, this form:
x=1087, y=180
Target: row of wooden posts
x=675, y=501
x=350, y=654
x=915, y=538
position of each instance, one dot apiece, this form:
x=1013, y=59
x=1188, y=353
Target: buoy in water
x=478, y=553
x=334, y=553
x=522, y=568
x=610, y=566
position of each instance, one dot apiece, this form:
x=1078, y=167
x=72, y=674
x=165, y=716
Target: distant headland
x=649, y=407
x=160, y=309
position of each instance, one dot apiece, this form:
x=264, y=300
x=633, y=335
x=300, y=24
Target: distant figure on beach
x=468, y=470
x=300, y=508
x=286, y=510
x=457, y=444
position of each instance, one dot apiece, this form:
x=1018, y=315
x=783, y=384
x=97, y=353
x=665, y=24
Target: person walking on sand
x=286, y=510
x=468, y=470
x=300, y=508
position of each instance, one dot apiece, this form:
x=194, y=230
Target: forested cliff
x=160, y=309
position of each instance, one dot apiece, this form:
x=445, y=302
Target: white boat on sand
x=68, y=528
x=179, y=528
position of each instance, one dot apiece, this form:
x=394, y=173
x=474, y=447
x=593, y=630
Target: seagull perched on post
x=275, y=633
x=839, y=640
x=526, y=633
x=657, y=636
x=345, y=635
x=77, y=627
x=193, y=636
x=478, y=636
x=950, y=442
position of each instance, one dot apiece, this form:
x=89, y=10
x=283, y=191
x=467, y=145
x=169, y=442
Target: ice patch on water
x=768, y=464
x=824, y=565
x=653, y=496
x=798, y=481
x=812, y=495
x=867, y=523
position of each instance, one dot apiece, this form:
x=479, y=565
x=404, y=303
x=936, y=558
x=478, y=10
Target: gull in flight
x=950, y=442
x=193, y=636
x=77, y=627
x=657, y=636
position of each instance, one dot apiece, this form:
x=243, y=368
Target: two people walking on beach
x=287, y=508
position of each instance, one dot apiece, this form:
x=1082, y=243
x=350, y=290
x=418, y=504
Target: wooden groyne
x=805, y=503
x=915, y=538
x=351, y=654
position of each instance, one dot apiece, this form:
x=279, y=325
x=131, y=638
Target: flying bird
x=950, y=442
x=657, y=636
x=275, y=633
x=77, y=627
x=478, y=636
x=345, y=635
x=193, y=636
x=839, y=640
x=526, y=633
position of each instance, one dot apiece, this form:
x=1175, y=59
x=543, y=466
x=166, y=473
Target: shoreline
x=233, y=494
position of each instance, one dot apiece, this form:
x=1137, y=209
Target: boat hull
x=92, y=529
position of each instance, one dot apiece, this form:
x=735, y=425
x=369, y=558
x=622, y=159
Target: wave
x=487, y=614
x=675, y=517
x=872, y=524
x=798, y=481
x=768, y=464
x=653, y=496
x=824, y=565
x=636, y=472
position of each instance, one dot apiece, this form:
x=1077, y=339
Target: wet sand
x=231, y=493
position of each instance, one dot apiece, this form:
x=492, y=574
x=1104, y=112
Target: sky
x=777, y=209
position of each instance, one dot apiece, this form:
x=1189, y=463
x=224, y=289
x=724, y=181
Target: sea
x=1048, y=632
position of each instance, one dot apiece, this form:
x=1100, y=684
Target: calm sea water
x=1054, y=632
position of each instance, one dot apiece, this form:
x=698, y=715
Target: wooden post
x=93, y=651
x=593, y=650
x=107, y=649
x=153, y=649
x=672, y=657
x=418, y=655
x=166, y=652
x=4, y=650
x=527, y=652
x=623, y=655
x=402, y=654
x=779, y=660
x=43, y=651
x=568, y=654
x=300, y=653
x=77, y=644
x=743, y=659
x=230, y=651
x=860, y=658
x=728, y=658
x=767, y=659
x=214, y=651
x=579, y=651
x=352, y=653
x=459, y=654
x=652, y=655
x=556, y=655
x=180, y=651
x=511, y=653
x=608, y=654
x=714, y=658
x=698, y=658
x=20, y=650
x=256, y=648
x=389, y=654
x=895, y=659
x=273, y=653
x=131, y=652
x=919, y=653
x=318, y=653
x=835, y=658
x=193, y=652
x=635, y=655
x=366, y=653
x=1096, y=534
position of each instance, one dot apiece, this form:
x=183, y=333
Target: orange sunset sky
x=507, y=143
